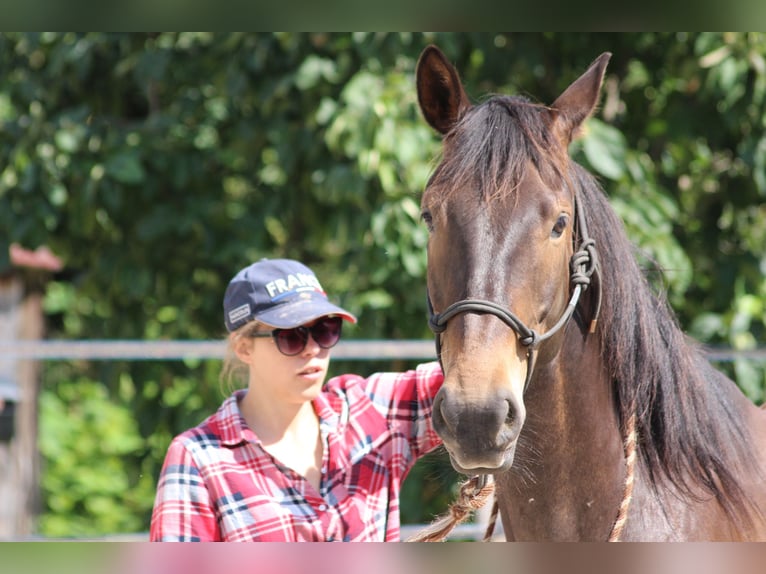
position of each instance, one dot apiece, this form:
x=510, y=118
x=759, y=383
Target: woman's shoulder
x=220, y=428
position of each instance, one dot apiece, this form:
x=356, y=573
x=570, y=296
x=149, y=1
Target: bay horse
x=567, y=376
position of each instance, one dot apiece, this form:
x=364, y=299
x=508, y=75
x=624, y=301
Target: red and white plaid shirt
x=218, y=482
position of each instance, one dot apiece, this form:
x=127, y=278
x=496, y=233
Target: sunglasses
x=325, y=332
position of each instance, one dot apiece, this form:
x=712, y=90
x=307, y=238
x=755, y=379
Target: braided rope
x=491, y=522
x=472, y=497
x=630, y=443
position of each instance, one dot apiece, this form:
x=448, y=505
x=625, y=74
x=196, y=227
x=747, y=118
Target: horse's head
x=501, y=212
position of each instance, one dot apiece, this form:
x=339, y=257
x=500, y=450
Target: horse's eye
x=561, y=224
x=426, y=216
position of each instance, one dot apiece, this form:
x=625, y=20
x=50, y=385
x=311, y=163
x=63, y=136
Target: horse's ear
x=441, y=95
x=579, y=100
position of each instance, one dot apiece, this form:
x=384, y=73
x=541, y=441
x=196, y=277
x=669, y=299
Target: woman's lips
x=310, y=371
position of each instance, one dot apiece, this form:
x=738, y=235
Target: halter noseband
x=583, y=264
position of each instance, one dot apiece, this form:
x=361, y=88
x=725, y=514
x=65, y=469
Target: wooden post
x=19, y=457
x=21, y=318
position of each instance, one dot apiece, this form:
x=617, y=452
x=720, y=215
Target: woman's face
x=293, y=379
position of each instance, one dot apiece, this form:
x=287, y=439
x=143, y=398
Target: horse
x=567, y=375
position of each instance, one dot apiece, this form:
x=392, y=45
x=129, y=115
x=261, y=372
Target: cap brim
x=297, y=313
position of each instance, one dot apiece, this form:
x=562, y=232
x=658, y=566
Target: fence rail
x=167, y=350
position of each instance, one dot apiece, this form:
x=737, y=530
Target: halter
x=583, y=264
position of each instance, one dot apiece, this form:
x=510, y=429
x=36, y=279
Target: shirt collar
x=232, y=427
x=233, y=430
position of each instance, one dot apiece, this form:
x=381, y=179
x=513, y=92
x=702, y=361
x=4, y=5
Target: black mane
x=689, y=431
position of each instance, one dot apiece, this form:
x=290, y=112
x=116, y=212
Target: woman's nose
x=312, y=347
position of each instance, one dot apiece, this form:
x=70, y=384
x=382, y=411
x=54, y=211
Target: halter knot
x=530, y=340
x=584, y=263
x=436, y=323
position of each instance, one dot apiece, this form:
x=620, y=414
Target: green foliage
x=91, y=444
x=156, y=165
x=431, y=486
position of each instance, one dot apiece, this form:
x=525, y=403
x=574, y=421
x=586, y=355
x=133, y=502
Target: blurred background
x=139, y=172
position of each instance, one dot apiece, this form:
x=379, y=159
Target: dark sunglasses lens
x=326, y=332
x=291, y=341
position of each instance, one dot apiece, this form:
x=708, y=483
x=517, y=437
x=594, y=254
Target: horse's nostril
x=510, y=416
x=444, y=417
x=438, y=416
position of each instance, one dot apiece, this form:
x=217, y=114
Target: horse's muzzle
x=480, y=435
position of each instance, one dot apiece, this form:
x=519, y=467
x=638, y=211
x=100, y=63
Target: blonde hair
x=234, y=373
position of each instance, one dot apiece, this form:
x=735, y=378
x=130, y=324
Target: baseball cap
x=282, y=293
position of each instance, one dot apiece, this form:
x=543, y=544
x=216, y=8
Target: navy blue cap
x=281, y=293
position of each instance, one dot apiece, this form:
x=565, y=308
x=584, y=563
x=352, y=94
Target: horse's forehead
x=526, y=191
x=501, y=149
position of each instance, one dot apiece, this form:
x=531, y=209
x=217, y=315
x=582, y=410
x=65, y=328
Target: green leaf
x=707, y=326
x=604, y=147
x=751, y=379
x=125, y=167
x=313, y=70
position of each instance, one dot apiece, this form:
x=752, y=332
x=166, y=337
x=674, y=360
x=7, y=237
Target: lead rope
x=475, y=491
x=629, y=445
x=473, y=495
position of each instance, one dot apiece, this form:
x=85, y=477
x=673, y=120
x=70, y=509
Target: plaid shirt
x=218, y=482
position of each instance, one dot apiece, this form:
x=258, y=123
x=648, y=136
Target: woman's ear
x=243, y=348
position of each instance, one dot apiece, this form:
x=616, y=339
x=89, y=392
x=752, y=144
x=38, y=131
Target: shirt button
x=322, y=507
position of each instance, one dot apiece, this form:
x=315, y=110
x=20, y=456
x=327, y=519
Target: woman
x=291, y=458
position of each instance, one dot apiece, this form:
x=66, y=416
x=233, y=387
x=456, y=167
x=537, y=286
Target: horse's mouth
x=490, y=464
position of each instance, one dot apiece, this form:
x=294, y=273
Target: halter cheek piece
x=583, y=264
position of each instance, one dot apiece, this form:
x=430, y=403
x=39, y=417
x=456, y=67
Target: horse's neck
x=568, y=478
